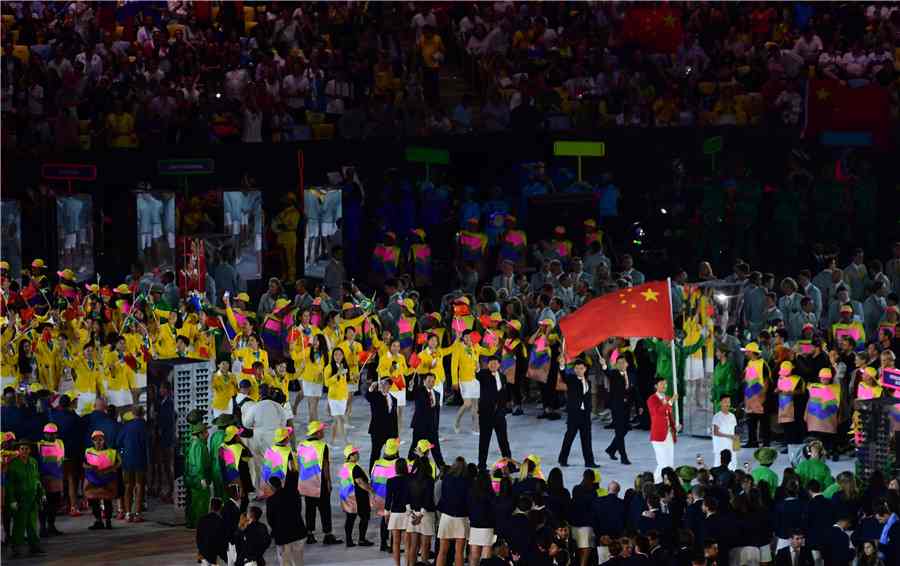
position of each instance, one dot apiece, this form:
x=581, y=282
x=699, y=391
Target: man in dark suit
x=253, y=540
x=621, y=389
x=718, y=526
x=694, y=515
x=796, y=554
x=819, y=516
x=578, y=412
x=284, y=513
x=608, y=513
x=231, y=516
x=211, y=543
x=383, y=424
x=492, y=411
x=427, y=417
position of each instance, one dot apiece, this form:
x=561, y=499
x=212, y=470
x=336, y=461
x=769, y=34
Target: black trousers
x=432, y=437
x=431, y=85
x=363, y=525
x=495, y=421
x=618, y=441
x=377, y=446
x=47, y=511
x=323, y=506
x=578, y=425
x=762, y=422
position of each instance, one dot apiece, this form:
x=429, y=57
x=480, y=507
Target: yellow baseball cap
x=38, y=264
x=282, y=434
x=392, y=446
x=313, y=427
x=423, y=446
x=243, y=297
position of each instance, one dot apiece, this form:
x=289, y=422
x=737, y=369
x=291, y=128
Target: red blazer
x=661, y=418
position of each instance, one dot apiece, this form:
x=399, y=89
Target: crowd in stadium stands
x=94, y=74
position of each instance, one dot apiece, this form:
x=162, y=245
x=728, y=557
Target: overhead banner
x=11, y=241
x=75, y=235
x=323, y=209
x=244, y=221
x=156, y=230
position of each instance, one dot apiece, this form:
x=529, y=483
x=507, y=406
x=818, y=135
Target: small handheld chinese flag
x=642, y=311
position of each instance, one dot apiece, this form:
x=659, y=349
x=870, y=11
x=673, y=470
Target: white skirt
x=337, y=407
x=120, y=397
x=311, y=389
x=693, y=368
x=400, y=396
x=397, y=522
x=8, y=381
x=481, y=537
x=584, y=537
x=425, y=526
x=765, y=553
x=453, y=527
x=85, y=403
x=470, y=389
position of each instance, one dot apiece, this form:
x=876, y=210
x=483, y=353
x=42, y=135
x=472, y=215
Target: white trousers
x=665, y=456
x=291, y=554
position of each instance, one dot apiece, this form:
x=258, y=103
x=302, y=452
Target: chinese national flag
x=657, y=28
x=833, y=107
x=645, y=310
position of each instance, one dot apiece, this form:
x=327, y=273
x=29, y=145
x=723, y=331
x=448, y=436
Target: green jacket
x=815, y=469
x=765, y=473
x=197, y=464
x=23, y=482
x=724, y=382
x=663, y=351
x=215, y=442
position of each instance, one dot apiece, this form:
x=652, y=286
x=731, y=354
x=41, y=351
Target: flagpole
x=674, y=364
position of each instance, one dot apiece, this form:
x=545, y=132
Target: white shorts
x=584, y=537
x=120, y=398
x=85, y=403
x=70, y=240
x=765, y=553
x=397, y=522
x=157, y=231
x=453, y=527
x=470, y=389
x=337, y=407
x=481, y=537
x=400, y=396
x=311, y=389
x=425, y=526
x=146, y=240
x=235, y=228
x=602, y=554
x=8, y=381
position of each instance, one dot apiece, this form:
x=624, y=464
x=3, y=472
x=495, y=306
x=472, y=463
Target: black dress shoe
x=311, y=540
x=518, y=412
x=611, y=453
x=592, y=465
x=331, y=539
x=365, y=542
x=626, y=461
x=96, y=526
x=350, y=544
x=563, y=464
x=542, y=416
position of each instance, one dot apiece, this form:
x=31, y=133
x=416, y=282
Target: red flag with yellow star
x=645, y=310
x=657, y=28
x=833, y=107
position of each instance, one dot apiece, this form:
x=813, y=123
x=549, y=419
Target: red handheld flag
x=645, y=310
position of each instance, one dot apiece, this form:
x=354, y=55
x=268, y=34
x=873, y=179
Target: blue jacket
x=481, y=511
x=582, y=504
x=454, y=491
x=132, y=443
x=13, y=419
x=98, y=420
x=68, y=425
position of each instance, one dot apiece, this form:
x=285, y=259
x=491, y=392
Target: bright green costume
x=724, y=382
x=815, y=469
x=197, y=472
x=23, y=487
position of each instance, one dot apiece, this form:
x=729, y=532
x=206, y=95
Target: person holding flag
x=663, y=434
